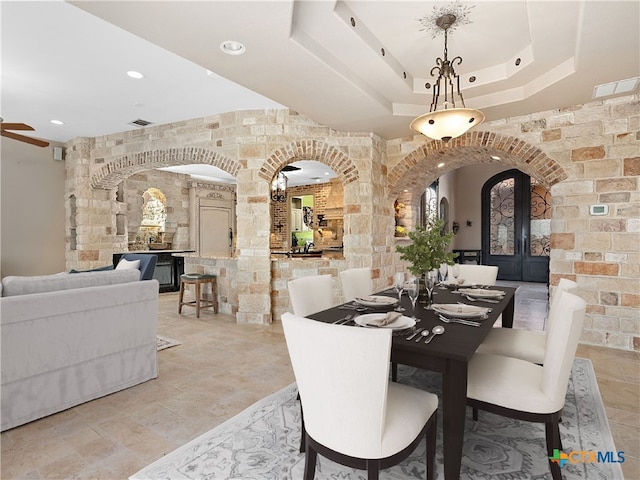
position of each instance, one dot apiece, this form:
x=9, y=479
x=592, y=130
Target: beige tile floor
x=220, y=369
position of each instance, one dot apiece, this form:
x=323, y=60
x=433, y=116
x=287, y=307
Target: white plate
x=481, y=293
x=398, y=324
x=459, y=311
x=377, y=301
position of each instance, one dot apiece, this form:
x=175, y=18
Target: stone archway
x=112, y=173
x=420, y=167
x=317, y=150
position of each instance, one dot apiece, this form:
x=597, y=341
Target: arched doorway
x=516, y=226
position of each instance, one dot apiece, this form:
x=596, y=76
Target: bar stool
x=198, y=280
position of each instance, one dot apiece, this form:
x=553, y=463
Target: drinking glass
x=455, y=273
x=398, y=284
x=413, y=290
x=428, y=285
x=444, y=268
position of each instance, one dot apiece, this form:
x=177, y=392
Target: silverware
x=418, y=330
x=423, y=334
x=471, y=299
x=437, y=330
x=343, y=320
x=458, y=320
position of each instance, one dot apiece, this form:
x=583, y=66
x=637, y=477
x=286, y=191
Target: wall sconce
x=455, y=228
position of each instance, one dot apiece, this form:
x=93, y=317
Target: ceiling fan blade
x=15, y=126
x=22, y=138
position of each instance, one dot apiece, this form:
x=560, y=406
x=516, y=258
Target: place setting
x=460, y=313
x=482, y=294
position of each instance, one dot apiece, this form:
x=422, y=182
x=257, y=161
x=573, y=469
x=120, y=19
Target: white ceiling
x=62, y=62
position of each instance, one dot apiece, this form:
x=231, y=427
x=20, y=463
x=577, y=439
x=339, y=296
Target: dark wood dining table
x=448, y=353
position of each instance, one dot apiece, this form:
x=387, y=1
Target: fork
x=343, y=320
x=458, y=320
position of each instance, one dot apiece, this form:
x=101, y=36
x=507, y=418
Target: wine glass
x=455, y=273
x=413, y=290
x=444, y=268
x=428, y=285
x=398, y=284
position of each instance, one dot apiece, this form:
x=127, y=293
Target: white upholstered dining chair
x=526, y=344
x=311, y=294
x=356, y=282
x=519, y=389
x=480, y=274
x=353, y=415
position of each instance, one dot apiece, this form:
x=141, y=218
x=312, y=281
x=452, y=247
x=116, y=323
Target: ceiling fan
x=4, y=127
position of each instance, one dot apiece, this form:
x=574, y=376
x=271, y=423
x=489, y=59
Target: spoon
x=437, y=330
x=424, y=333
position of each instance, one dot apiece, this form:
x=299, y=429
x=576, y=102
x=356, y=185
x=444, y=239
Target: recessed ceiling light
x=495, y=157
x=57, y=122
x=441, y=164
x=231, y=47
x=134, y=74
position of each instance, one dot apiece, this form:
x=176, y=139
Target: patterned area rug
x=262, y=442
x=165, y=342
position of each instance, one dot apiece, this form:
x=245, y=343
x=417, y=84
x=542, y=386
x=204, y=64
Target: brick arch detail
x=317, y=150
x=112, y=173
x=474, y=146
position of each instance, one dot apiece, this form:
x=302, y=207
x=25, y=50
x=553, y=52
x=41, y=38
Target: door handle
x=230, y=237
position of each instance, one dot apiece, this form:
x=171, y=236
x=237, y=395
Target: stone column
x=253, y=283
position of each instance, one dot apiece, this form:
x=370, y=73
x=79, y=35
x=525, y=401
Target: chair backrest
x=480, y=274
x=356, y=282
x=147, y=264
x=342, y=375
x=564, y=285
x=562, y=343
x=311, y=294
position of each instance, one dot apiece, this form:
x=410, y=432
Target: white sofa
x=70, y=338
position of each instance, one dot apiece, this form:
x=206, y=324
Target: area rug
x=262, y=442
x=165, y=342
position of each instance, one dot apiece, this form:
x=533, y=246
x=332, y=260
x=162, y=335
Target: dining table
x=448, y=353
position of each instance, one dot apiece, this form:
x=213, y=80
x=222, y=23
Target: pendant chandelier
x=450, y=121
x=279, y=188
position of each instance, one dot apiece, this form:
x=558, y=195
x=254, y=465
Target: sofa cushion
x=15, y=285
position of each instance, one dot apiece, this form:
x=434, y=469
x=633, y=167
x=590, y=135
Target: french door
x=516, y=227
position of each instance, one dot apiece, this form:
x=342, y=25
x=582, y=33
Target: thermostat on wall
x=599, y=209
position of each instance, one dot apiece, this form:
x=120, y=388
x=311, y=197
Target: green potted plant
x=428, y=248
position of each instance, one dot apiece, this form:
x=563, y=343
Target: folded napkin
x=384, y=300
x=388, y=318
x=452, y=308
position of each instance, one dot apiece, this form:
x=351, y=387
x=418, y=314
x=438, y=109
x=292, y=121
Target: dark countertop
x=159, y=251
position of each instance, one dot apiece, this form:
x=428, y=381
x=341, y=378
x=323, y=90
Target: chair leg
x=431, y=447
x=198, y=293
x=474, y=412
x=303, y=432
x=181, y=297
x=373, y=469
x=394, y=372
x=310, y=462
x=552, y=434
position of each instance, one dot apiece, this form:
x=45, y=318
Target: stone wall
x=587, y=154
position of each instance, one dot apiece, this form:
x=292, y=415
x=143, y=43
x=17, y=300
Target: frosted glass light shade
x=447, y=124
